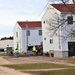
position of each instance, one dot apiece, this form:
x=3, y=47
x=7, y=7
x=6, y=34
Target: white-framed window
x=28, y=32
x=16, y=34
x=40, y=32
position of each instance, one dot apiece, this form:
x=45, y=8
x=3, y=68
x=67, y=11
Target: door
x=71, y=48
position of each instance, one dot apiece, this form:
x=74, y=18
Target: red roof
x=31, y=24
x=63, y=8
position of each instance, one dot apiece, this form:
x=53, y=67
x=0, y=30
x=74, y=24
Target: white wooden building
x=26, y=34
x=58, y=41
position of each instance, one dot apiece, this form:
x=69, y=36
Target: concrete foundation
x=61, y=54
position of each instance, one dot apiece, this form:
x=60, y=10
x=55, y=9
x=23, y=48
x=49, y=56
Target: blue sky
x=12, y=11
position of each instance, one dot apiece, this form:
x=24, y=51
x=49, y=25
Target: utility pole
x=26, y=34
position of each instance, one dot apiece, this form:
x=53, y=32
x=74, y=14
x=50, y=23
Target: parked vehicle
x=1, y=50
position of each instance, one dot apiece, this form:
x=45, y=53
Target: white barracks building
x=27, y=34
x=62, y=43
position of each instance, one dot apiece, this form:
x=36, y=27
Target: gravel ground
x=39, y=59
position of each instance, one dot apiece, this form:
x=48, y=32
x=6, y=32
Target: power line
x=42, y=10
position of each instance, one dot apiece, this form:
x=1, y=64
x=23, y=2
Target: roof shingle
x=31, y=24
x=63, y=8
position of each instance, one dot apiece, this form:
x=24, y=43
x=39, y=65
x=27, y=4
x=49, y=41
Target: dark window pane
x=70, y=19
x=40, y=32
x=51, y=41
x=28, y=32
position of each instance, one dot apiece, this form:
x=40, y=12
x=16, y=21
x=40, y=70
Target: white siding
x=23, y=40
x=17, y=40
x=33, y=39
x=67, y=29
x=6, y=43
x=48, y=16
x=57, y=41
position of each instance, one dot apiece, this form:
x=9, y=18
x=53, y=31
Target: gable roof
x=31, y=24
x=63, y=8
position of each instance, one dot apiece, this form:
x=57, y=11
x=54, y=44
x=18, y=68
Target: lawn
x=23, y=67
x=56, y=72
x=37, y=66
x=3, y=54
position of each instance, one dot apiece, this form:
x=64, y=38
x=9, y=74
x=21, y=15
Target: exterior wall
x=59, y=46
x=33, y=39
x=17, y=40
x=6, y=43
x=61, y=54
x=49, y=14
x=66, y=30
x=23, y=40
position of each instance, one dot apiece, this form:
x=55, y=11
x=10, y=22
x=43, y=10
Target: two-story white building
x=58, y=30
x=27, y=34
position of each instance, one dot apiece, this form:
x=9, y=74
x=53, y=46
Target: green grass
x=69, y=71
x=37, y=66
x=61, y=72
x=56, y=72
x=3, y=54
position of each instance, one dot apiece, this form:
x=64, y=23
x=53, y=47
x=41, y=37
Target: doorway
x=71, y=48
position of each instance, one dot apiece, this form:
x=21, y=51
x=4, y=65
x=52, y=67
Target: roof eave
x=67, y=13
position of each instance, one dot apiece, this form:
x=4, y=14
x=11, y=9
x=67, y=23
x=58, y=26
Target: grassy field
x=37, y=66
x=23, y=67
x=55, y=72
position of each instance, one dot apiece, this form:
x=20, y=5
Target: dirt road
x=38, y=59
x=26, y=60
x=7, y=71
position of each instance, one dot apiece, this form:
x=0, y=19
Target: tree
x=61, y=1
x=56, y=23
x=5, y=38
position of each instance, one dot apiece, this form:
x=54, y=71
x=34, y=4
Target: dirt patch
x=4, y=61
x=39, y=59
x=29, y=60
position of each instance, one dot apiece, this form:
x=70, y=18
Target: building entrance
x=71, y=48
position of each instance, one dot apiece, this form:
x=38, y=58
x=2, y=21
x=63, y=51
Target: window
x=44, y=38
x=16, y=34
x=51, y=41
x=7, y=45
x=70, y=19
x=17, y=45
x=40, y=32
x=28, y=32
x=44, y=22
